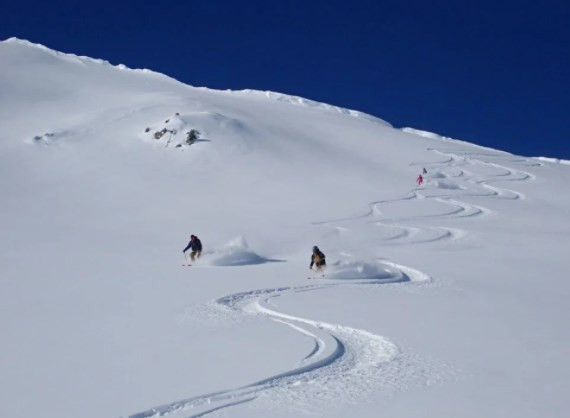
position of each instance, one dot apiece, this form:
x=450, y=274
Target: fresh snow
x=442, y=300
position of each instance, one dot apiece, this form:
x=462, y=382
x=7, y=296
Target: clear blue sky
x=492, y=72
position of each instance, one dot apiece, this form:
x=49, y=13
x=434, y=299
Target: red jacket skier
x=420, y=180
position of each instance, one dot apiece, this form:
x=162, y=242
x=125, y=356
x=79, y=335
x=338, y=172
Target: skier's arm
x=312, y=261
x=188, y=246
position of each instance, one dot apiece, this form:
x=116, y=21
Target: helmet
x=315, y=248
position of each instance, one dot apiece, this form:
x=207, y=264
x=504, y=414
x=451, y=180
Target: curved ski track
x=345, y=359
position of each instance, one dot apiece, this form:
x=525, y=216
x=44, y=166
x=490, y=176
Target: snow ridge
x=438, y=137
x=553, y=160
x=301, y=101
x=81, y=59
x=295, y=100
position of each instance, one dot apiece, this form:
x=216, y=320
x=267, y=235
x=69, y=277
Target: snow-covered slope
x=445, y=299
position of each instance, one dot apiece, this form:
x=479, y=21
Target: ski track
x=474, y=186
x=348, y=363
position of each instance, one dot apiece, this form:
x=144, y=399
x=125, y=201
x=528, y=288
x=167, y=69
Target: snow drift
x=235, y=253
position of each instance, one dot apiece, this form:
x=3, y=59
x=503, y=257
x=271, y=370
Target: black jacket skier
x=195, y=245
x=317, y=259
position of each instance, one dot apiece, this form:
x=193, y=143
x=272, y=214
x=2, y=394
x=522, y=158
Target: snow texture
x=443, y=299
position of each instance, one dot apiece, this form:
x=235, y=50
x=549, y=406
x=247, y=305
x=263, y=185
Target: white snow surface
x=442, y=300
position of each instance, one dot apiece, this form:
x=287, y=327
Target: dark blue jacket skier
x=195, y=244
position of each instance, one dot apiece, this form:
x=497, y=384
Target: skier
x=420, y=180
x=424, y=171
x=317, y=259
x=196, y=246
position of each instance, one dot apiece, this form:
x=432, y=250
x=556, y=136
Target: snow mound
x=446, y=184
x=172, y=130
x=438, y=175
x=234, y=253
x=358, y=270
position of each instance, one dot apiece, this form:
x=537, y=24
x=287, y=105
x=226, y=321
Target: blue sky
x=492, y=72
